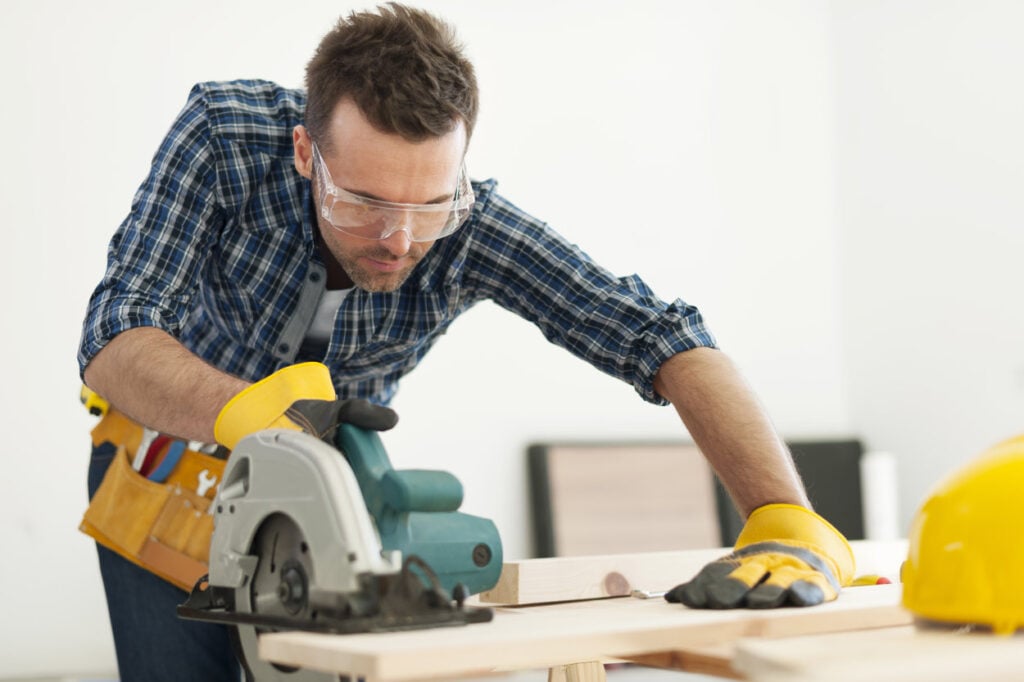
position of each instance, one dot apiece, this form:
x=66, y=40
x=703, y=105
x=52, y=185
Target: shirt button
x=284, y=348
x=314, y=276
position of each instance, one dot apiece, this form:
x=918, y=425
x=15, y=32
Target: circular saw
x=333, y=539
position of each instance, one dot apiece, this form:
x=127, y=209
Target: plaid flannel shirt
x=218, y=250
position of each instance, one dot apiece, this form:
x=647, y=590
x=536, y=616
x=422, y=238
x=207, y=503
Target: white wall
x=697, y=143
x=931, y=166
x=675, y=155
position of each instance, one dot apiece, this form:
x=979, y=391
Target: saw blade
x=279, y=589
x=284, y=573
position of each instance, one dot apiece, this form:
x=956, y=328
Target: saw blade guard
x=295, y=474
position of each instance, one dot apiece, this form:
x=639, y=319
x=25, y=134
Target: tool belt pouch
x=162, y=527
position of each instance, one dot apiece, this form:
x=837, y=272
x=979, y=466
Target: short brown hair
x=402, y=66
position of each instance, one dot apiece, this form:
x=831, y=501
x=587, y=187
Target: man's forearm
x=731, y=428
x=148, y=375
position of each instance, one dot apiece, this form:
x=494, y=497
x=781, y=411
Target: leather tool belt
x=163, y=527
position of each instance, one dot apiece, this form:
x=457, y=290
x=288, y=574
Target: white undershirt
x=323, y=320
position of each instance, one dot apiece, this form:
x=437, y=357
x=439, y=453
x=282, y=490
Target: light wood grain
x=631, y=498
x=705, y=659
x=905, y=654
x=551, y=635
x=537, y=581
x=590, y=671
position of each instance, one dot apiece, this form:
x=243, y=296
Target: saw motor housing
x=416, y=513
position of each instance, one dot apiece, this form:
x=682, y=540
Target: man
x=338, y=226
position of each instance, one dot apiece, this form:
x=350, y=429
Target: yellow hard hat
x=966, y=560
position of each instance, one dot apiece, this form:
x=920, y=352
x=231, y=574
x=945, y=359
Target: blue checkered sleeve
x=617, y=324
x=155, y=256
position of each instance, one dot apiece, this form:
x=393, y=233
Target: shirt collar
x=309, y=223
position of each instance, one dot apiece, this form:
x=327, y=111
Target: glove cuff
x=782, y=522
x=261, y=405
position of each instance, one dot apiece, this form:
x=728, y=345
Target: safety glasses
x=376, y=219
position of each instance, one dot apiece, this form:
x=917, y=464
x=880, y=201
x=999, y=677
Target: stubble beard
x=376, y=282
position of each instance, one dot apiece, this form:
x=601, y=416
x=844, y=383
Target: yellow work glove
x=299, y=397
x=786, y=555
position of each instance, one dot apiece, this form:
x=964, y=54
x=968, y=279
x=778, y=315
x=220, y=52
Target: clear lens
x=375, y=219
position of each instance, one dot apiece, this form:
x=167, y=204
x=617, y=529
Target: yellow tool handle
x=93, y=402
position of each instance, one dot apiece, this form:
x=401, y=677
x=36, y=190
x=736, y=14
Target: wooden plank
x=708, y=659
x=905, y=653
x=590, y=671
x=550, y=635
x=537, y=581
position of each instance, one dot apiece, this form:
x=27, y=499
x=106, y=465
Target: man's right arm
x=147, y=374
x=129, y=353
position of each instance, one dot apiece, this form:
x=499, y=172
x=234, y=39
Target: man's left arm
x=731, y=428
x=786, y=554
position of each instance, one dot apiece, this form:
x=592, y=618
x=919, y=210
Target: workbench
x=864, y=635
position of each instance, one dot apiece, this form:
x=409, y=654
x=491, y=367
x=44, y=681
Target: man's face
x=385, y=167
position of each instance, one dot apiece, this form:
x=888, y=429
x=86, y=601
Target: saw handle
x=387, y=491
x=421, y=490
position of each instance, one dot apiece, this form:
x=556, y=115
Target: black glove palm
x=322, y=417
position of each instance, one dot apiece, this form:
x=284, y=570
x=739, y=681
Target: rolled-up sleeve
x=155, y=256
x=617, y=324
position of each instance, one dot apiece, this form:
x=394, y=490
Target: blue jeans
x=152, y=643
